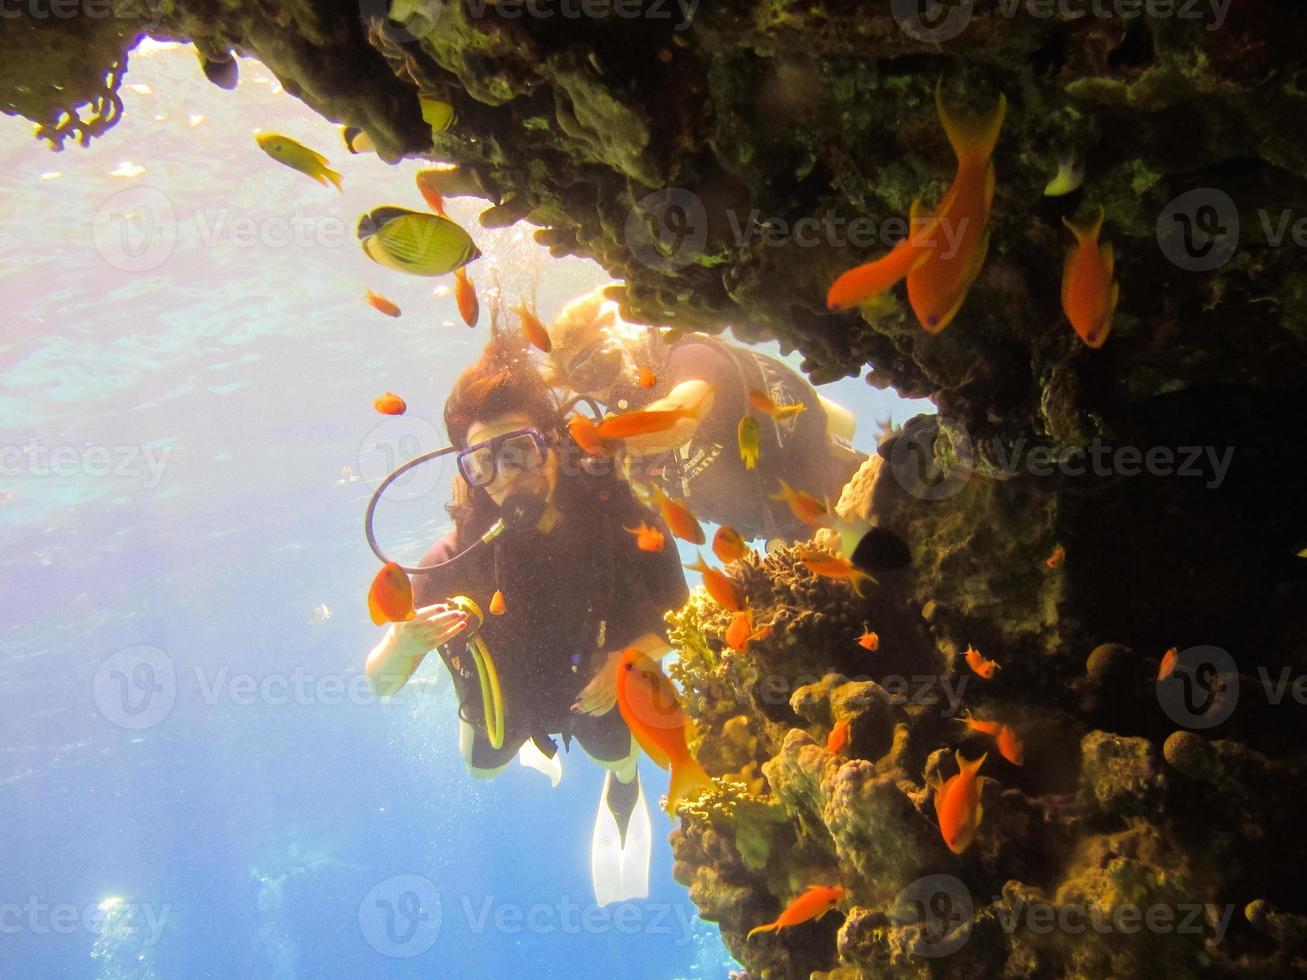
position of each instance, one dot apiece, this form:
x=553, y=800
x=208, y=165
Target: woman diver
x=574, y=592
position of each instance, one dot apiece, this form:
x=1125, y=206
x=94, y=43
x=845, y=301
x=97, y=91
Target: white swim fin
x=531, y=757
x=620, y=869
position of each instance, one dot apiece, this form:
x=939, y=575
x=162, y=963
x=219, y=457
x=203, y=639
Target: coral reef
x=1166, y=466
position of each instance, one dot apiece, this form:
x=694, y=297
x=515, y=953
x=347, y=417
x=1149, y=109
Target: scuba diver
x=597, y=354
x=565, y=589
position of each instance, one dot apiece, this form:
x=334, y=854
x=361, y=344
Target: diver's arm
x=393, y=661
x=695, y=395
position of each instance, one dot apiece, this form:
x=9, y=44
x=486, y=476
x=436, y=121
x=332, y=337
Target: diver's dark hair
x=502, y=380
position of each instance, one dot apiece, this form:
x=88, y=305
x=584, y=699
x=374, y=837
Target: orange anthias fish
x=957, y=804
x=944, y=251
x=977, y=662
x=647, y=538
x=535, y=330
x=939, y=285
x=1167, y=667
x=834, y=566
x=678, y=518
x=497, y=603
x=804, y=506
x=390, y=599
x=652, y=711
x=1009, y=744
x=869, y=640
x=741, y=633
x=390, y=404
x=465, y=294
x=426, y=181
x=722, y=589
x=838, y=737
x=586, y=435
x=381, y=304
x=1089, y=293
x=640, y=423
x=812, y=904
x=645, y=378
x=728, y=546
x=761, y=401
x=1055, y=559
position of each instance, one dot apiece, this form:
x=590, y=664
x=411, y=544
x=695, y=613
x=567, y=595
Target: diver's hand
x=599, y=696
x=429, y=628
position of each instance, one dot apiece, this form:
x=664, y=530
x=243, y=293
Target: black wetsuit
x=570, y=596
x=708, y=471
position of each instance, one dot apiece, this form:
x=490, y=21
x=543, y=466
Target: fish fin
x=1109, y=258
x=970, y=766
x=332, y=176
x=972, y=139
x=1086, y=234
x=688, y=780
x=769, y=927
x=990, y=181
x=1111, y=304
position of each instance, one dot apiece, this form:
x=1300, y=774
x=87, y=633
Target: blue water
x=193, y=778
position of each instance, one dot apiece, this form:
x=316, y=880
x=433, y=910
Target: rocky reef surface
x=715, y=159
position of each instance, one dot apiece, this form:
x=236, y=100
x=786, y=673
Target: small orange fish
x=938, y=286
x=381, y=304
x=647, y=538
x=1055, y=559
x=678, y=518
x=838, y=737
x=957, y=804
x=990, y=728
x=652, y=711
x=869, y=640
x=834, y=566
x=719, y=586
x=642, y=423
x=1089, y=293
x=741, y=633
x=1010, y=747
x=812, y=904
x=535, y=330
x=466, y=296
x=426, y=181
x=856, y=286
x=728, y=546
x=741, y=629
x=390, y=599
x=390, y=404
x=977, y=662
x=761, y=401
x=497, y=603
x=1168, y=663
x=586, y=435
x=645, y=379
x=804, y=506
